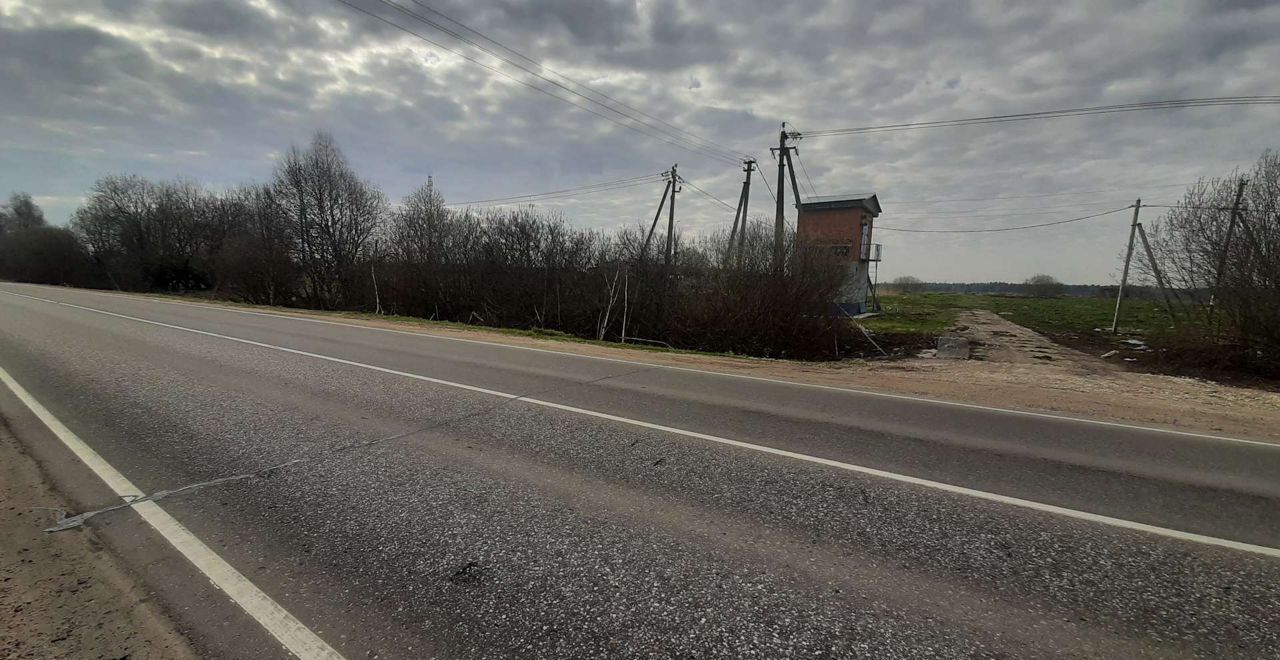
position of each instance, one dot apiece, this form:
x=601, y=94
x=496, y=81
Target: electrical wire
x=1053, y=114
x=651, y=132
x=549, y=198
x=1058, y=194
x=543, y=67
x=765, y=179
x=805, y=170
x=708, y=195
x=1193, y=208
x=999, y=229
x=591, y=188
x=1012, y=211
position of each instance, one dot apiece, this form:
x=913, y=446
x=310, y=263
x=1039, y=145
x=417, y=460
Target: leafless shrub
x=317, y=235
x=907, y=284
x=20, y=213
x=1225, y=280
x=333, y=214
x=1043, y=286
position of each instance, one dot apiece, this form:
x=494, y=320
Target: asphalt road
x=607, y=512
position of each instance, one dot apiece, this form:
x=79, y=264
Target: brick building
x=844, y=223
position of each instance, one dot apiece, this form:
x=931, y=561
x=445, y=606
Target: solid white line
x=850, y=467
x=763, y=379
x=296, y=637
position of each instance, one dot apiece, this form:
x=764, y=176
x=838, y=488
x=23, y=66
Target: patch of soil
x=62, y=595
x=896, y=344
x=998, y=339
x=1132, y=352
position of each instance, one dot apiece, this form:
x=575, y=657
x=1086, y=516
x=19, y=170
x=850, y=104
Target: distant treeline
x=318, y=236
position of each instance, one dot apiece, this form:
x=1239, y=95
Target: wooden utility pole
x=671, y=219
x=740, y=214
x=779, y=221
x=733, y=233
x=1128, y=256
x=644, y=250
x=791, y=170
x=1226, y=247
x=1155, y=268
x=746, y=203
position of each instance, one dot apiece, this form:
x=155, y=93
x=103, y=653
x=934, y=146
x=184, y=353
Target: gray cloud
x=214, y=89
x=218, y=18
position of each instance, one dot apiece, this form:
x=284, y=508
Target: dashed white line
x=300, y=640
x=850, y=467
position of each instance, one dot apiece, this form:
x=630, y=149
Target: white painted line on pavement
x=850, y=467
x=296, y=637
x=763, y=379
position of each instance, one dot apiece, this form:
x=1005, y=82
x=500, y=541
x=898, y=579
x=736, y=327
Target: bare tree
x=46, y=255
x=333, y=214
x=318, y=235
x=907, y=284
x=1224, y=272
x=20, y=213
x=1043, y=286
x=257, y=259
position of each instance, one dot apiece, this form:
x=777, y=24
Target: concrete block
x=953, y=348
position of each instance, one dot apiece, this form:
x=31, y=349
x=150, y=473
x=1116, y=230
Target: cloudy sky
x=214, y=90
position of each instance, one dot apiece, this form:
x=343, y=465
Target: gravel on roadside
x=64, y=595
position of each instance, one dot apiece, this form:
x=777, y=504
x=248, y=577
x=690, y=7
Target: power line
x=1242, y=209
x=765, y=179
x=709, y=195
x=547, y=198
x=805, y=170
x=1012, y=211
x=590, y=188
x=650, y=132
x=1053, y=114
x=543, y=67
x=1057, y=194
x=984, y=231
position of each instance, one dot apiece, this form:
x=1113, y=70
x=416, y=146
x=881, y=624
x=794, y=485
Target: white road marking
x=850, y=467
x=292, y=633
x=777, y=381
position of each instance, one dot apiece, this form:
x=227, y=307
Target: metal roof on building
x=866, y=201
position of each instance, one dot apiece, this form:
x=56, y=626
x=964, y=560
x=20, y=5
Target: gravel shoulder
x=64, y=595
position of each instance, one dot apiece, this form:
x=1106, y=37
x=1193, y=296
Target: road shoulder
x=64, y=595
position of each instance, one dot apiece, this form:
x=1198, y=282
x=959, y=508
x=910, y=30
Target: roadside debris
x=953, y=348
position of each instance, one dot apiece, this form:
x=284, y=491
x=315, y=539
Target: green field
x=931, y=313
